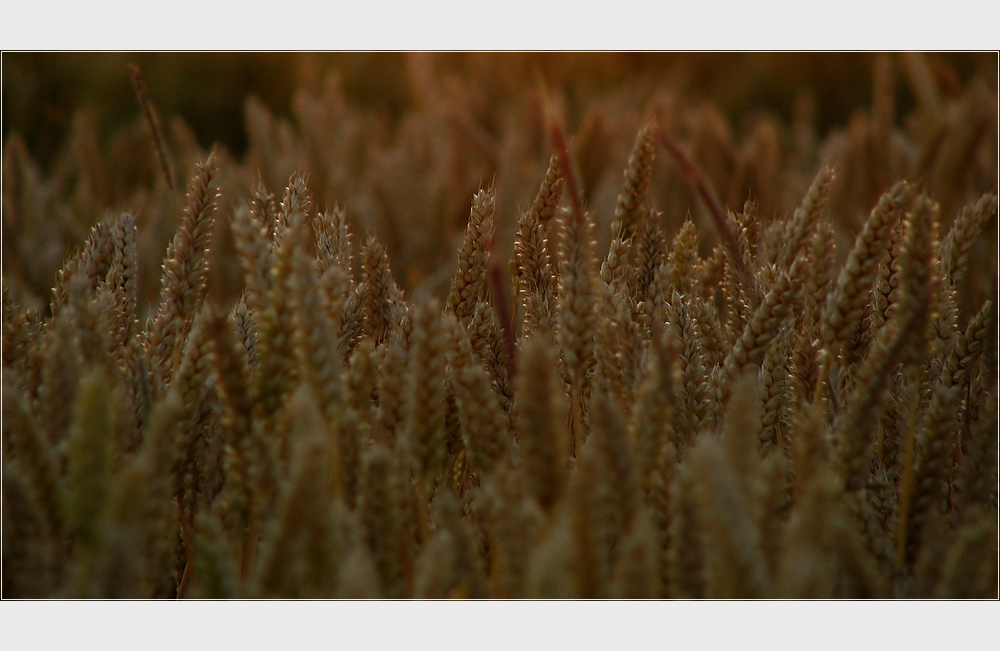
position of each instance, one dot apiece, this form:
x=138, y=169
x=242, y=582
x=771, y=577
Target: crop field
x=509, y=325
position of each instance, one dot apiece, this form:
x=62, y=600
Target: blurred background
x=41, y=91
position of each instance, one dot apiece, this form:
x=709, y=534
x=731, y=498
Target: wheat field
x=529, y=339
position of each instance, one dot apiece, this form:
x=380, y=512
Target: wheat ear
x=590, y=502
x=846, y=302
x=90, y=263
x=800, y=230
x=319, y=359
x=185, y=272
x=256, y=259
x=87, y=485
x=333, y=240
x=752, y=346
x=301, y=556
x=426, y=396
x=61, y=362
x=516, y=523
x=391, y=392
x=468, y=287
x=540, y=421
x=380, y=296
x=854, y=420
x=534, y=276
x=276, y=372
x=232, y=377
x=691, y=406
x=685, y=554
x=651, y=425
x=485, y=428
x=734, y=560
x=650, y=254
x=629, y=210
x=25, y=441
x=382, y=522
x=955, y=247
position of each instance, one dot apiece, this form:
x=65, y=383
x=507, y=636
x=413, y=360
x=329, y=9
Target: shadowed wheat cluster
x=622, y=389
